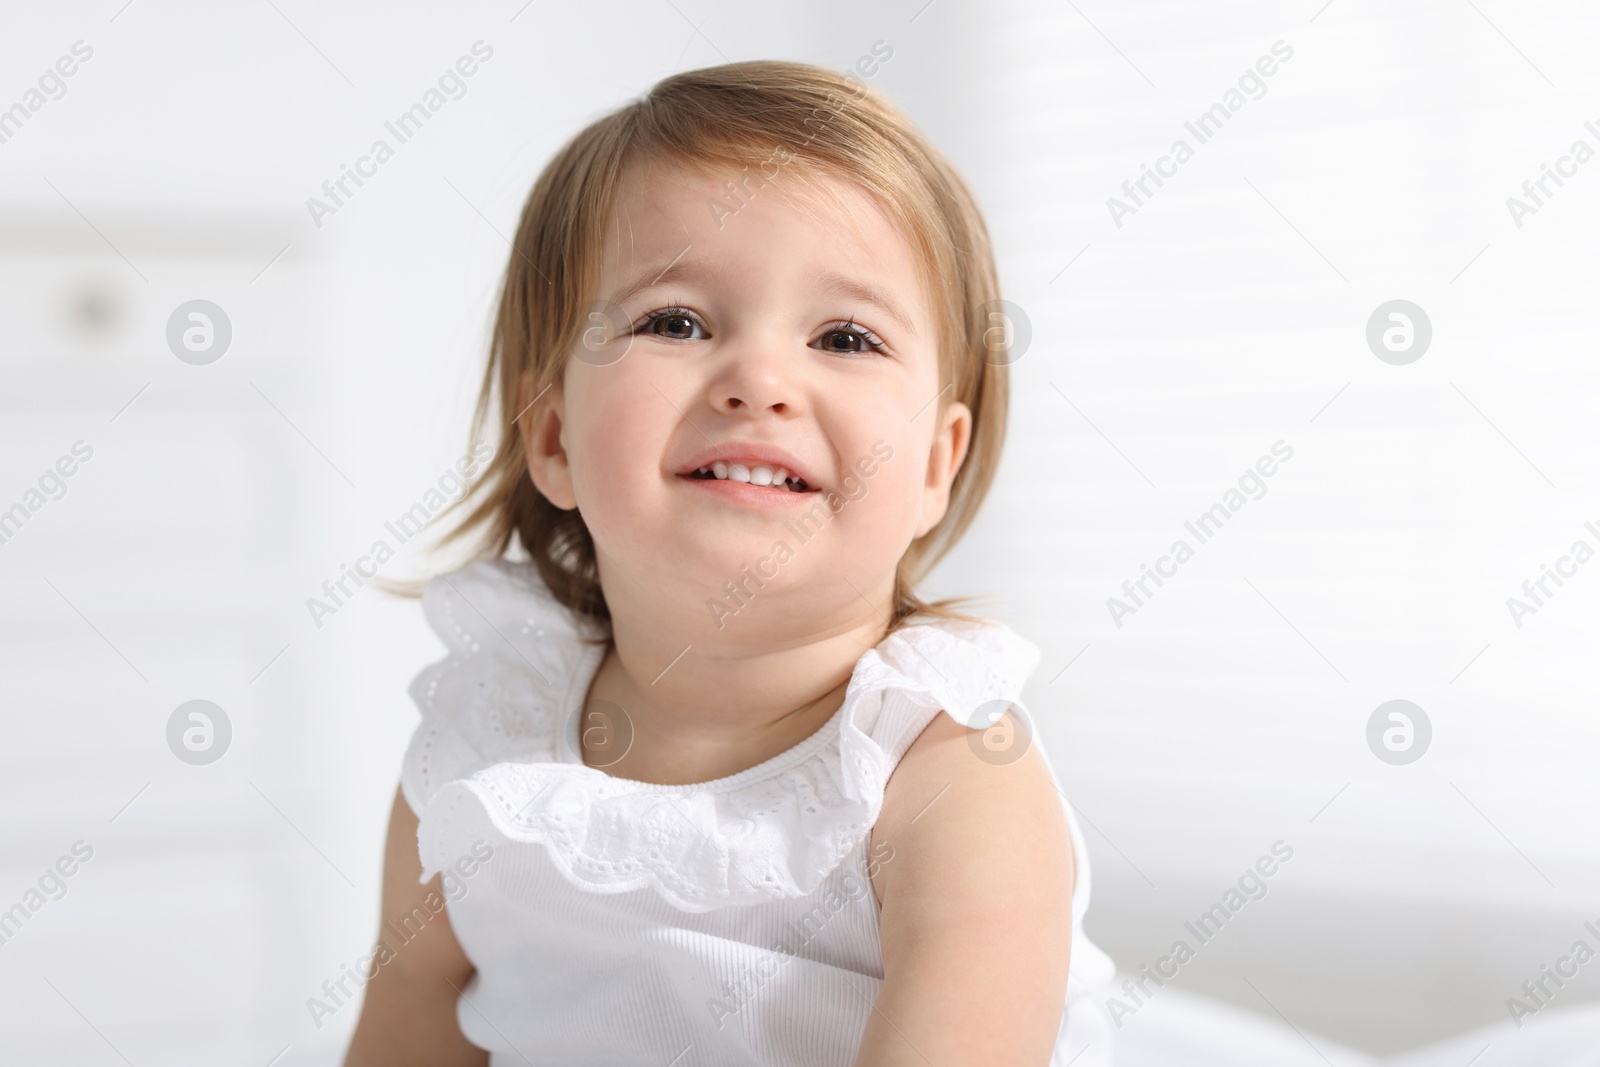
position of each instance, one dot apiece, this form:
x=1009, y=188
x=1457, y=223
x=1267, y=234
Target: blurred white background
x=1227, y=313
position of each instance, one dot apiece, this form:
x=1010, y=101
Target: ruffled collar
x=500, y=730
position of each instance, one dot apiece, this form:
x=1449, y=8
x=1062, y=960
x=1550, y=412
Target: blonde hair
x=735, y=115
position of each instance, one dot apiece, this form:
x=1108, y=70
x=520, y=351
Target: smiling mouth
x=779, y=479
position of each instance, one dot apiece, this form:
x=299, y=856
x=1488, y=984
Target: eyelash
x=873, y=343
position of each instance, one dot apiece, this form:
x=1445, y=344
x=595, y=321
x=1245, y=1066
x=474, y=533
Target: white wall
x=1229, y=313
x=1174, y=351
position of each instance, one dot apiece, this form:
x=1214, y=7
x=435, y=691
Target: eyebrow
x=845, y=286
x=681, y=269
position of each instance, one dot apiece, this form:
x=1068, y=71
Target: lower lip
x=757, y=496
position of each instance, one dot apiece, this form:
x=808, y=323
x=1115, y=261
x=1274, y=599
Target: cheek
x=615, y=436
x=886, y=502
x=874, y=527
x=898, y=489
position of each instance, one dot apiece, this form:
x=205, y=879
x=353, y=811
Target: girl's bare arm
x=408, y=1015
x=977, y=909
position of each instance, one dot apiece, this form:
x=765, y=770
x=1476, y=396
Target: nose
x=758, y=377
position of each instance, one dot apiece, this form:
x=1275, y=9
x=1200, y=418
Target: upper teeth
x=738, y=472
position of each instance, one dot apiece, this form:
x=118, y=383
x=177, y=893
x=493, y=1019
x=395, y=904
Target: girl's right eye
x=672, y=324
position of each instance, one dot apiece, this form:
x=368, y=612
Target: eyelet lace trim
x=494, y=741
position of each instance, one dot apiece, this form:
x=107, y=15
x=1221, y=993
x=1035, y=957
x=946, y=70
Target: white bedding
x=1180, y=1029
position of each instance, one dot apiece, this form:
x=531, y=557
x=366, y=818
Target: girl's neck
x=711, y=714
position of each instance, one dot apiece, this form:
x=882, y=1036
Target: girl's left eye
x=865, y=339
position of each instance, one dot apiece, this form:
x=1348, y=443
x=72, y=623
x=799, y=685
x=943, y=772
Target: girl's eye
x=679, y=324
x=673, y=324
x=857, y=339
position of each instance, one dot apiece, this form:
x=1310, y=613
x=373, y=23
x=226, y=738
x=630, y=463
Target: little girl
x=682, y=792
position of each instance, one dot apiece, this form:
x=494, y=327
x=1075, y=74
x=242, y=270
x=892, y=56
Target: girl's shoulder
x=475, y=603
x=972, y=671
x=513, y=653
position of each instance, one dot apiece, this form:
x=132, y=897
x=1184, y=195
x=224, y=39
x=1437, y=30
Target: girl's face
x=763, y=330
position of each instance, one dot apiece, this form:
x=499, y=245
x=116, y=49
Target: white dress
x=716, y=924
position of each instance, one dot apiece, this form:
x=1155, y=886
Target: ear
x=540, y=426
x=949, y=451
